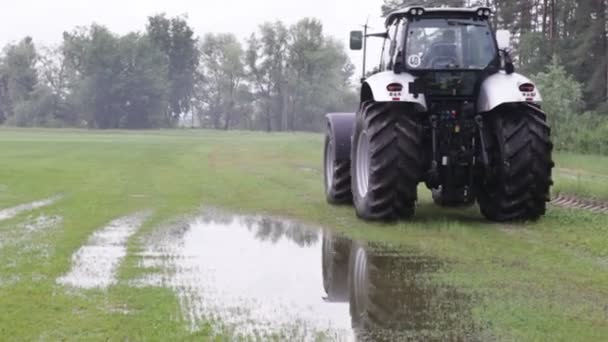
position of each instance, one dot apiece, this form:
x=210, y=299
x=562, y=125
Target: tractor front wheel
x=386, y=160
x=337, y=173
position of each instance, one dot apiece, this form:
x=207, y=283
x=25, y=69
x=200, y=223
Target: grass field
x=538, y=281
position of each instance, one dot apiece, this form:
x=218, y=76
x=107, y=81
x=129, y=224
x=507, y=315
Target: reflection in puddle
x=9, y=213
x=392, y=296
x=94, y=265
x=272, y=278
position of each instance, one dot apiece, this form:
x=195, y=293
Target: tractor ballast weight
x=444, y=108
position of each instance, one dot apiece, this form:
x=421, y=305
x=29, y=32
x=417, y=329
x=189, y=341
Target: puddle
x=9, y=281
x=94, y=265
x=26, y=230
x=274, y=278
x=40, y=223
x=9, y=213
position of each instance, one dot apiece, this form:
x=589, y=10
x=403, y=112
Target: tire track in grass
x=95, y=264
x=573, y=202
x=10, y=213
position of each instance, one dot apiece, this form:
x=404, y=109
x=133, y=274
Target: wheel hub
x=329, y=164
x=363, y=164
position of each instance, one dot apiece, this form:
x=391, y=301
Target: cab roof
x=432, y=10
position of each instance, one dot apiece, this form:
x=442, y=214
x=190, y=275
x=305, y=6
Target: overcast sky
x=45, y=20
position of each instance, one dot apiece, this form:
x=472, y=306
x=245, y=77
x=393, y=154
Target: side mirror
x=503, y=38
x=356, y=40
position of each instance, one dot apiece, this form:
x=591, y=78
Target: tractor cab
x=438, y=40
x=450, y=51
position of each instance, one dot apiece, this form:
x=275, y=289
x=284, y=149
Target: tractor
x=444, y=108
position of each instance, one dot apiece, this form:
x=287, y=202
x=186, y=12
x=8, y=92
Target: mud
x=264, y=277
x=94, y=265
x=9, y=213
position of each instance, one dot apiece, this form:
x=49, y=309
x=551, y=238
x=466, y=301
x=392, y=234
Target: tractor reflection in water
x=392, y=296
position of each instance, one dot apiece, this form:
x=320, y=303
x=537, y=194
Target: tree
x=175, y=38
x=53, y=74
x=143, y=83
x=18, y=76
x=319, y=76
x=562, y=95
x=34, y=112
x=266, y=61
x=116, y=82
x=222, y=65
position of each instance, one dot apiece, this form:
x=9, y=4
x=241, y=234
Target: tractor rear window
x=440, y=44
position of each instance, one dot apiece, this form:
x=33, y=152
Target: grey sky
x=46, y=20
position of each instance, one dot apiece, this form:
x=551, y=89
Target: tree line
x=282, y=78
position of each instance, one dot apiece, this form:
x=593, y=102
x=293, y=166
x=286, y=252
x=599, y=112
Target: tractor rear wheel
x=386, y=161
x=519, y=149
x=337, y=173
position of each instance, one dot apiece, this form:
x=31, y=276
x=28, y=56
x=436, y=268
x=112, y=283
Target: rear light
x=527, y=88
x=394, y=87
x=416, y=11
x=484, y=12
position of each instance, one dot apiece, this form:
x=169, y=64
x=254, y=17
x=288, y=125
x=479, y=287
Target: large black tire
x=519, y=149
x=335, y=256
x=337, y=174
x=386, y=161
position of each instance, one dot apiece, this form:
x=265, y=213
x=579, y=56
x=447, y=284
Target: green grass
x=582, y=175
x=538, y=281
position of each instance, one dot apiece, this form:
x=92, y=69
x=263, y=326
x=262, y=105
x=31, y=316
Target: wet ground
x=266, y=277
x=9, y=213
x=272, y=278
x=95, y=264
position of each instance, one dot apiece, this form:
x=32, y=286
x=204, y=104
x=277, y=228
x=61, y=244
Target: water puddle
x=94, y=265
x=40, y=223
x=26, y=230
x=275, y=278
x=9, y=213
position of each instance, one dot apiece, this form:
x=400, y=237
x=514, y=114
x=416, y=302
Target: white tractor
x=444, y=108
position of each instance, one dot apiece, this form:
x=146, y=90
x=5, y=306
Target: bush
x=562, y=101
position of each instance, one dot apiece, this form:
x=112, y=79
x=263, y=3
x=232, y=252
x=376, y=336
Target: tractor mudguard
x=342, y=126
x=501, y=88
x=375, y=88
